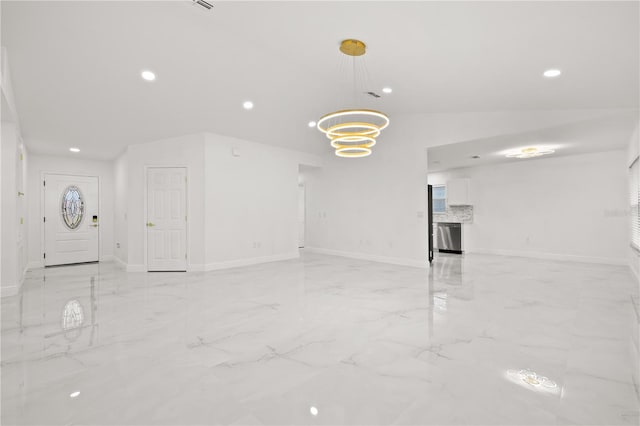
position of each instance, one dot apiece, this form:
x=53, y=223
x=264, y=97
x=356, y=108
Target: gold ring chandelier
x=353, y=132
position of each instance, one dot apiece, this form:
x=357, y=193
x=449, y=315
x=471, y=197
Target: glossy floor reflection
x=324, y=340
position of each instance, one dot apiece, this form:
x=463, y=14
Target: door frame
x=42, y=212
x=186, y=210
x=302, y=187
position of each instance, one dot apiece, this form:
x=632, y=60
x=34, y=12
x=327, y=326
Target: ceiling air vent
x=203, y=3
x=373, y=94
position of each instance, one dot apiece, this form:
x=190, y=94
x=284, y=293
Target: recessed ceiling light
x=552, y=73
x=148, y=75
x=74, y=394
x=74, y=149
x=387, y=90
x=247, y=105
x=312, y=124
x=313, y=411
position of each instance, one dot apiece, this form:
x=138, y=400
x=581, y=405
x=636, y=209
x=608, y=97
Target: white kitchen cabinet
x=459, y=192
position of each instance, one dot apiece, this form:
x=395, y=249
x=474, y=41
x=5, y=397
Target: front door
x=166, y=219
x=71, y=219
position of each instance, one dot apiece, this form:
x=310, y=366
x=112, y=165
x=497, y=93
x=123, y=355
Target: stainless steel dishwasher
x=449, y=237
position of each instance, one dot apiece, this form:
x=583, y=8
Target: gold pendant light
x=353, y=132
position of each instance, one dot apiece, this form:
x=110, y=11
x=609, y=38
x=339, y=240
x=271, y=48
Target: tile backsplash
x=461, y=214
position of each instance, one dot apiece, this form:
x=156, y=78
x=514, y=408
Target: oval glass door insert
x=72, y=207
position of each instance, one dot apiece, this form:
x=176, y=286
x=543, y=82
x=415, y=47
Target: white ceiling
x=76, y=65
x=611, y=131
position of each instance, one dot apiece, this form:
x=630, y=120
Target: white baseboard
x=121, y=263
x=372, y=257
x=136, y=268
x=551, y=256
x=35, y=264
x=10, y=290
x=217, y=265
x=247, y=262
x=634, y=262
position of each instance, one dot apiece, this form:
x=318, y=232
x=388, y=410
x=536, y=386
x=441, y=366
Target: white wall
x=369, y=207
x=185, y=151
x=571, y=208
x=241, y=209
x=39, y=164
x=10, y=275
x=373, y=207
x=13, y=168
x=121, y=184
x=633, y=153
x=2, y=237
x=251, y=202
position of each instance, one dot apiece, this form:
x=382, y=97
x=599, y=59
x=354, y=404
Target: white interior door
x=166, y=219
x=71, y=219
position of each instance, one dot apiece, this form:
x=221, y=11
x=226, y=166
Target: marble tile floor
x=476, y=340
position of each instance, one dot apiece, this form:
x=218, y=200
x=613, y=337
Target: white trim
x=635, y=273
x=634, y=263
x=244, y=262
x=35, y=264
x=136, y=268
x=121, y=263
x=8, y=291
x=551, y=256
x=372, y=257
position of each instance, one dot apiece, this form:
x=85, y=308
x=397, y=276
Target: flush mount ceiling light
x=529, y=152
x=552, y=73
x=312, y=124
x=387, y=90
x=353, y=132
x=148, y=75
x=74, y=149
x=247, y=105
